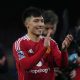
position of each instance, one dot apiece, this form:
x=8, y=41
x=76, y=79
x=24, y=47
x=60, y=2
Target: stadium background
x=11, y=26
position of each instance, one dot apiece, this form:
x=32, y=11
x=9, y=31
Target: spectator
x=3, y=64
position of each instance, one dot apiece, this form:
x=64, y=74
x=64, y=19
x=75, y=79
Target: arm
x=2, y=61
x=64, y=59
x=2, y=56
x=27, y=62
x=61, y=58
x=65, y=44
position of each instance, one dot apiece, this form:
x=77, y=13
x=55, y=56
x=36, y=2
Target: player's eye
x=36, y=20
x=42, y=20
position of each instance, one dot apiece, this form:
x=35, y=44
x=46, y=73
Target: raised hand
x=47, y=39
x=67, y=41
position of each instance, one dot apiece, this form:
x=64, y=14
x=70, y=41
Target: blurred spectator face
x=49, y=27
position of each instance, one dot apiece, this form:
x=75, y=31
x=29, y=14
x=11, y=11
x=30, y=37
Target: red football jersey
x=32, y=60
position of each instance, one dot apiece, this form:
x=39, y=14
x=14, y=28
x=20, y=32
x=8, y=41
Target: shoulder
x=53, y=41
x=21, y=40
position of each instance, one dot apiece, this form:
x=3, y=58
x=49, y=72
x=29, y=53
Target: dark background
x=11, y=26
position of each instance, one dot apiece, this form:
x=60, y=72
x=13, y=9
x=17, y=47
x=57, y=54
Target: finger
x=69, y=37
x=63, y=44
x=67, y=43
x=49, y=33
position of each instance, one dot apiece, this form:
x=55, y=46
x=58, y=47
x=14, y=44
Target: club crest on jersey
x=21, y=54
x=31, y=51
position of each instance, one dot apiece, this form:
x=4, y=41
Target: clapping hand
x=67, y=41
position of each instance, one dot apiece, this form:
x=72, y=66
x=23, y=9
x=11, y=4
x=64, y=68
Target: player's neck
x=33, y=37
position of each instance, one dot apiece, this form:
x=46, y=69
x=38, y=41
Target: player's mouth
x=39, y=28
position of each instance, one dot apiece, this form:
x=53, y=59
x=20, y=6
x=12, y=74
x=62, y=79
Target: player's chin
x=37, y=33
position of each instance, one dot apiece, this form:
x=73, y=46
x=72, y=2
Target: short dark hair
x=50, y=17
x=31, y=11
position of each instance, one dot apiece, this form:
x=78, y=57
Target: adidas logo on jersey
x=31, y=51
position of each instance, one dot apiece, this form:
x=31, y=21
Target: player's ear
x=26, y=24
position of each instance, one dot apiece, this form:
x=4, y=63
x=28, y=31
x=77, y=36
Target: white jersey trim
x=17, y=43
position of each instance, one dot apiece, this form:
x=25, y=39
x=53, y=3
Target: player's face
x=35, y=25
x=49, y=27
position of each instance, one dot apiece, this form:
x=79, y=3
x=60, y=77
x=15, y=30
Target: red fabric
x=34, y=63
x=61, y=58
x=78, y=74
